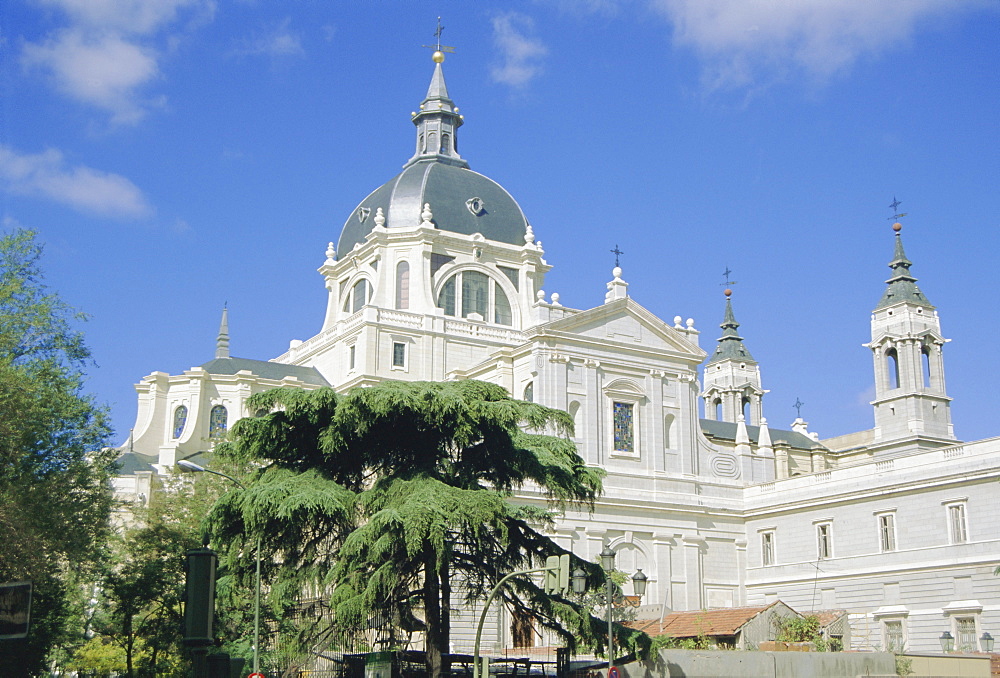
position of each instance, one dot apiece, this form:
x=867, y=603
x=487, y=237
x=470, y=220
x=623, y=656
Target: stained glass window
x=624, y=437
x=180, y=418
x=217, y=420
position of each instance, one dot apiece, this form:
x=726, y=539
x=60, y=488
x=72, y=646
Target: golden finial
x=438, y=48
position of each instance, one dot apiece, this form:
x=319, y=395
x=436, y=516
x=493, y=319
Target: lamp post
x=191, y=466
x=947, y=641
x=986, y=642
x=638, y=583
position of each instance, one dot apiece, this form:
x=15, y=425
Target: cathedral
x=437, y=275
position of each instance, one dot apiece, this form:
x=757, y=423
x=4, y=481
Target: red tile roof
x=718, y=622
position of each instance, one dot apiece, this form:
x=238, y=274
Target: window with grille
x=893, y=632
x=965, y=634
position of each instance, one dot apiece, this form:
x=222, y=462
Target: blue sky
x=176, y=155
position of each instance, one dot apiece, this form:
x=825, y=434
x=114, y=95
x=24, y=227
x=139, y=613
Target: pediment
x=623, y=322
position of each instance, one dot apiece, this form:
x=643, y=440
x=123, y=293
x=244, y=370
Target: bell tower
x=912, y=407
x=732, y=376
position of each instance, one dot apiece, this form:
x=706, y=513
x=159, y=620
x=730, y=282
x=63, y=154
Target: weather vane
x=798, y=405
x=438, y=47
x=728, y=282
x=617, y=252
x=895, y=208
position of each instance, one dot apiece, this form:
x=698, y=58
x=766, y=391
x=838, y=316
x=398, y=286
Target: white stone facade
x=897, y=525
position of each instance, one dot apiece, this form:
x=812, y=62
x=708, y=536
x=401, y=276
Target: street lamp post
x=608, y=563
x=191, y=466
x=638, y=583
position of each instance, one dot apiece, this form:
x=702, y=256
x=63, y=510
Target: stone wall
x=708, y=664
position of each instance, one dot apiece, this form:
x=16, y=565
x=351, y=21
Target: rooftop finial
x=728, y=283
x=897, y=215
x=438, y=48
x=222, y=341
x=617, y=252
x=798, y=403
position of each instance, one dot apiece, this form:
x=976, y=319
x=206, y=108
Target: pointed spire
x=730, y=343
x=902, y=284
x=437, y=122
x=222, y=341
x=764, y=437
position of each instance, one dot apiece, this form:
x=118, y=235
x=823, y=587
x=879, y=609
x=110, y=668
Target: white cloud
x=742, y=41
x=109, y=51
x=275, y=42
x=47, y=175
x=102, y=71
x=520, y=54
x=129, y=16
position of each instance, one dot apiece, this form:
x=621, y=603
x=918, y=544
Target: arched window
x=926, y=360
x=892, y=365
x=403, y=285
x=180, y=419
x=502, y=314
x=529, y=392
x=432, y=141
x=445, y=142
x=218, y=419
x=668, y=424
x=359, y=296
x=745, y=409
x=477, y=296
x=423, y=148
x=717, y=404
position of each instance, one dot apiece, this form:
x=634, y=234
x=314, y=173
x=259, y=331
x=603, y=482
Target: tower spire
x=222, y=341
x=731, y=345
x=438, y=119
x=902, y=284
x=912, y=407
x=732, y=376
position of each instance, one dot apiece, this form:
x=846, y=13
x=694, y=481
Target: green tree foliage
x=391, y=496
x=55, y=496
x=800, y=630
x=140, y=609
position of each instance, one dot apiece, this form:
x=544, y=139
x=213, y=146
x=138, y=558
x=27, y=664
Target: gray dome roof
x=451, y=191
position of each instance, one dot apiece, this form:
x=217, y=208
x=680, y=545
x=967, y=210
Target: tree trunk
x=432, y=614
x=444, y=580
x=129, y=645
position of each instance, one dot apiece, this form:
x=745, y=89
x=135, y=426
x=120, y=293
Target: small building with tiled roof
x=740, y=628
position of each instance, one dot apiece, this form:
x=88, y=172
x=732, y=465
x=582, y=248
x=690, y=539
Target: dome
x=462, y=201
